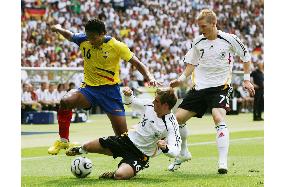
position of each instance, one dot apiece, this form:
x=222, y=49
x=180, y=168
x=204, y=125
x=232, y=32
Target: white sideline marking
x=42, y=157
x=193, y=144
x=233, y=140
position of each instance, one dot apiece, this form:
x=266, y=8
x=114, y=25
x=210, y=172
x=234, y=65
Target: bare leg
x=125, y=171
x=73, y=99
x=118, y=124
x=183, y=115
x=95, y=147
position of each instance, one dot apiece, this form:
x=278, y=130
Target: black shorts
x=122, y=146
x=199, y=101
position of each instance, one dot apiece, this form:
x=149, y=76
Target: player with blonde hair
x=209, y=63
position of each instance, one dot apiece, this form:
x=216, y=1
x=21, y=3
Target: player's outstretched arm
x=247, y=84
x=136, y=104
x=144, y=71
x=187, y=72
x=58, y=29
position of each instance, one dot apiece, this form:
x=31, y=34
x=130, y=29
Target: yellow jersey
x=101, y=65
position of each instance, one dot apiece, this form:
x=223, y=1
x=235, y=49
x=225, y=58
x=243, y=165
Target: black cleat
x=72, y=151
x=107, y=175
x=222, y=171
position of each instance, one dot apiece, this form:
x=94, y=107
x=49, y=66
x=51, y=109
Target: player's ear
x=166, y=106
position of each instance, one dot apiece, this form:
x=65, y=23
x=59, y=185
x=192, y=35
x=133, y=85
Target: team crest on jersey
x=105, y=55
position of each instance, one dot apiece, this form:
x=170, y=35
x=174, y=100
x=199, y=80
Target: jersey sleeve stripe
x=242, y=46
x=223, y=39
x=149, y=105
x=200, y=40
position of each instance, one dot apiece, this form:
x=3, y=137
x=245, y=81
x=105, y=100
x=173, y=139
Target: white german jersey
x=151, y=128
x=41, y=94
x=213, y=59
x=26, y=97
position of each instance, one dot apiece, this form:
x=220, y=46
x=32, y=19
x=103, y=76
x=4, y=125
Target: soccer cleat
x=73, y=150
x=55, y=148
x=223, y=169
x=107, y=175
x=179, y=160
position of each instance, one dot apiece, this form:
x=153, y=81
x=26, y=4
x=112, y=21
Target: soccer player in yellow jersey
x=102, y=55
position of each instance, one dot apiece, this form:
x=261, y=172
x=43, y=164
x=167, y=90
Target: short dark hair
x=167, y=95
x=71, y=84
x=95, y=25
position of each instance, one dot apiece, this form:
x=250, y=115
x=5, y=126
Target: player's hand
x=55, y=28
x=249, y=87
x=127, y=91
x=162, y=144
x=175, y=83
x=154, y=83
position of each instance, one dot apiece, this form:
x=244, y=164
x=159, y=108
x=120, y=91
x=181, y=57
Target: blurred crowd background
x=159, y=32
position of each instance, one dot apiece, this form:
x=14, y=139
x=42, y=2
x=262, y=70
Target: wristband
x=246, y=77
x=182, y=78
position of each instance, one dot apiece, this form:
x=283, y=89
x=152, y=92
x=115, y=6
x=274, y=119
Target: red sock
x=64, y=117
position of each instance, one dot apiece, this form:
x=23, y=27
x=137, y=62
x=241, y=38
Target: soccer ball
x=81, y=167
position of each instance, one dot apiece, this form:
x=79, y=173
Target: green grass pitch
x=246, y=163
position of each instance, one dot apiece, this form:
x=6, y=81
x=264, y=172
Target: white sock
x=64, y=140
x=222, y=140
x=184, y=133
x=82, y=150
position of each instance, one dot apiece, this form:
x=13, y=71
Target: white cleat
x=179, y=160
x=223, y=168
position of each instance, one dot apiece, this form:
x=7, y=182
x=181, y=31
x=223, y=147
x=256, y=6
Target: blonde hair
x=207, y=14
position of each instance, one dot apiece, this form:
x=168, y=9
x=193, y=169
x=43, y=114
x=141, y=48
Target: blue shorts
x=108, y=97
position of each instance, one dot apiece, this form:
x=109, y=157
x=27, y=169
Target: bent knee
x=65, y=104
x=87, y=146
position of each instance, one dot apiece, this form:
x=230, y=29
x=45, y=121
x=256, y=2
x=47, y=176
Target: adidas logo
x=221, y=135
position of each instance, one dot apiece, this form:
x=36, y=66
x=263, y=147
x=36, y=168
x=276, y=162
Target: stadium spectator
x=210, y=60
x=258, y=82
x=71, y=86
x=158, y=124
x=47, y=96
x=133, y=84
x=33, y=93
x=246, y=100
x=138, y=76
x=60, y=92
x=41, y=92
x=102, y=54
x=237, y=95
x=29, y=99
x=49, y=99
